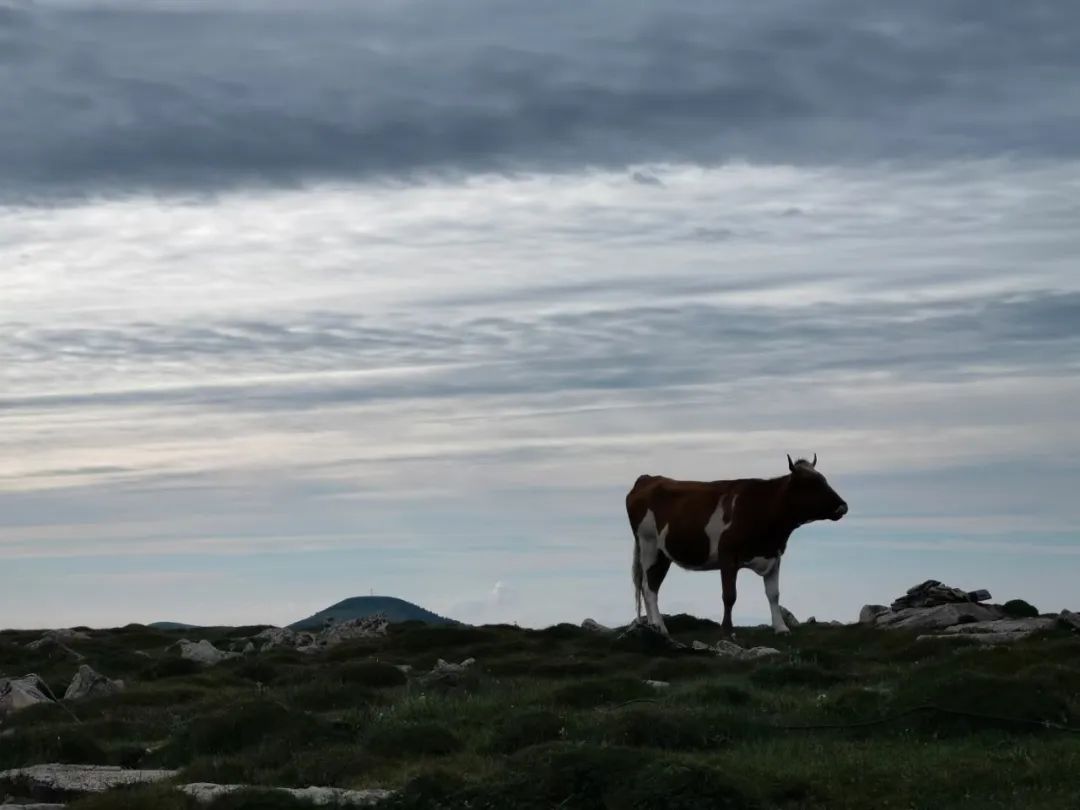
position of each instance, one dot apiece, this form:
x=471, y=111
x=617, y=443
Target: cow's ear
x=790, y=463
x=814, y=462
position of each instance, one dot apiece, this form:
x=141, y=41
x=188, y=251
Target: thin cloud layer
x=150, y=96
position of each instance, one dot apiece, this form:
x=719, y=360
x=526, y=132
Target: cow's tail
x=637, y=577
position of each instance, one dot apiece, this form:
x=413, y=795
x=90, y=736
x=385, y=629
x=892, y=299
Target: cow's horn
x=790, y=463
x=814, y=462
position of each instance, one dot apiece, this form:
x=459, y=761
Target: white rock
x=82, y=778
x=204, y=793
x=20, y=693
x=275, y=637
x=729, y=649
x=88, y=683
x=595, y=627
x=203, y=652
x=1019, y=627
x=870, y=612
x=364, y=627
x=938, y=617
x=759, y=652
x=658, y=685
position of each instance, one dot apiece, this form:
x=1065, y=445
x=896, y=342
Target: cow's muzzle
x=841, y=510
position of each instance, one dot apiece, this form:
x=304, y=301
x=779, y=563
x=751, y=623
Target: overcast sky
x=301, y=301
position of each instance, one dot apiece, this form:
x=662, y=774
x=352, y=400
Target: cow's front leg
x=727, y=579
x=772, y=593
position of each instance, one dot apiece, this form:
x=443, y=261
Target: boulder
x=937, y=617
x=206, y=793
x=933, y=593
x=1069, y=619
x=595, y=627
x=659, y=686
x=729, y=649
x=641, y=633
x=81, y=778
x=88, y=683
x=20, y=693
x=445, y=673
x=373, y=626
x=203, y=652
x=276, y=637
x=870, y=612
x=1021, y=628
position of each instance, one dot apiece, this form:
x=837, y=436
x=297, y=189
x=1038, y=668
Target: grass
x=562, y=718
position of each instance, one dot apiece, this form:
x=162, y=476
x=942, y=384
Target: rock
x=933, y=593
x=249, y=648
x=405, y=668
x=81, y=778
x=88, y=683
x=445, y=673
x=729, y=649
x=658, y=685
x=203, y=652
x=275, y=637
x=1017, y=628
x=870, y=612
x=205, y=793
x=1070, y=619
x=759, y=652
x=938, y=617
x=365, y=627
x=648, y=637
x=812, y=620
x=982, y=638
x=789, y=617
x=595, y=627
x=32, y=806
x=20, y=693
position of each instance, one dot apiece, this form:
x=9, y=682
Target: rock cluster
x=205, y=793
x=729, y=649
x=932, y=593
x=54, y=778
x=952, y=613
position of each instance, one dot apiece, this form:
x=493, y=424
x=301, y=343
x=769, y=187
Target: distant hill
x=171, y=626
x=396, y=610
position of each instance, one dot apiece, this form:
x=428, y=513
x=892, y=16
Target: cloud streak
x=142, y=96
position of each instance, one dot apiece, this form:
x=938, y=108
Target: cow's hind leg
x=654, y=578
x=728, y=573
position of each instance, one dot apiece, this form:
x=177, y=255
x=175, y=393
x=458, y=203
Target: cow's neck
x=776, y=531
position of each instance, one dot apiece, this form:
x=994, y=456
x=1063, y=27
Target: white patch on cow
x=715, y=528
x=650, y=542
x=761, y=565
x=769, y=569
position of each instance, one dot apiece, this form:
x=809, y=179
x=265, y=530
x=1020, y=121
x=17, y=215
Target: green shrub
x=522, y=730
x=170, y=666
x=417, y=739
x=812, y=675
x=1019, y=609
x=599, y=691
x=374, y=674
x=68, y=744
x=665, y=728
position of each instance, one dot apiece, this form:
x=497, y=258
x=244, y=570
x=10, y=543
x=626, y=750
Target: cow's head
x=811, y=497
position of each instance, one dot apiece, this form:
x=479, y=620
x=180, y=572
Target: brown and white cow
x=725, y=526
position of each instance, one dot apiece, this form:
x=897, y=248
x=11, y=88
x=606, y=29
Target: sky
x=302, y=301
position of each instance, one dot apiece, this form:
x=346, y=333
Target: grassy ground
x=562, y=718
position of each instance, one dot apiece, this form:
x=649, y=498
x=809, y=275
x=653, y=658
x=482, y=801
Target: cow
x=725, y=526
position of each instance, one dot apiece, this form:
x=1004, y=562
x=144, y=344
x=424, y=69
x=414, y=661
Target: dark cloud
x=206, y=96
x=638, y=348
